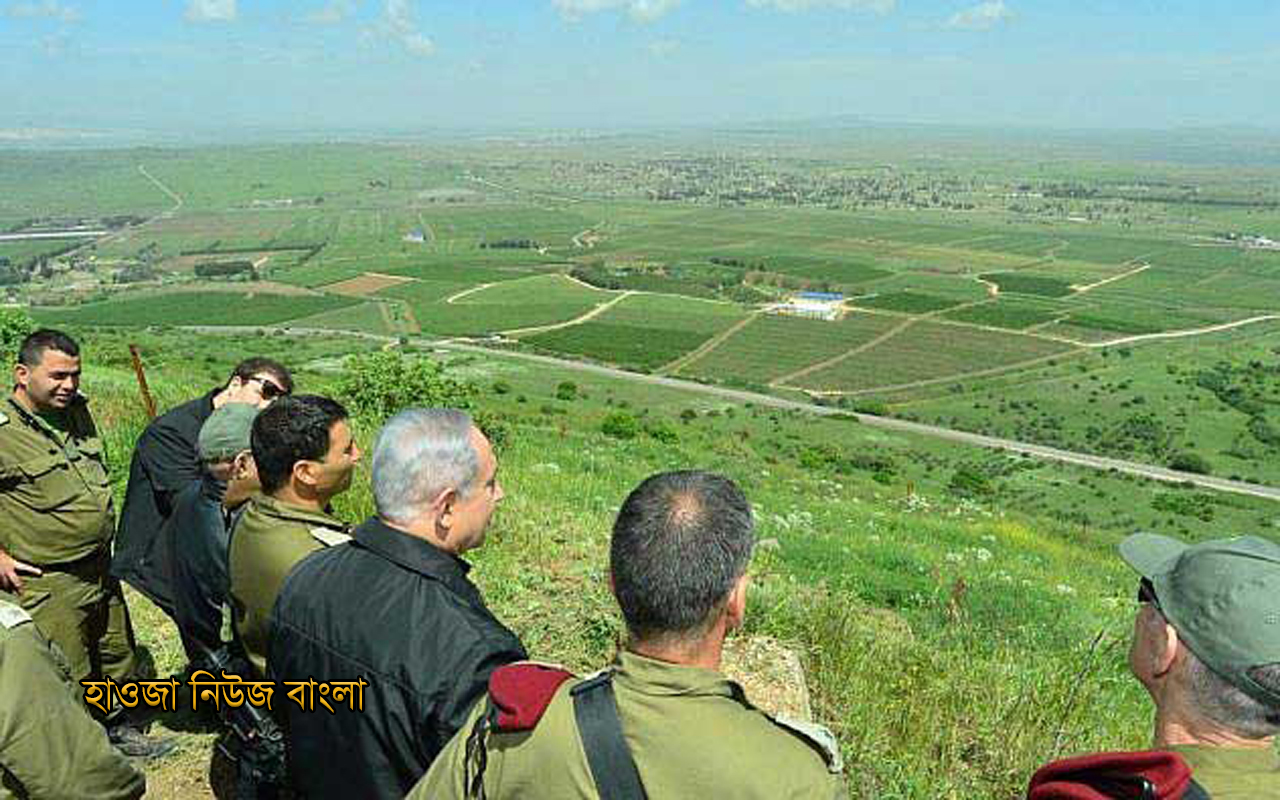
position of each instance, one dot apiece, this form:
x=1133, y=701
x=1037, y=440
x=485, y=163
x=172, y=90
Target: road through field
x=1089, y=460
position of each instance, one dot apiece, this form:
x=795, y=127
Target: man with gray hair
x=394, y=607
x=1206, y=647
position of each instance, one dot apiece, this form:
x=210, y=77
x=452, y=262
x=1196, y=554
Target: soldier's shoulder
x=329, y=537
x=12, y=615
x=810, y=738
x=521, y=693
x=818, y=737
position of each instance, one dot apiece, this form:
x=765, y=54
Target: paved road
x=888, y=423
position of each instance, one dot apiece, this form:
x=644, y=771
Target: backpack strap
x=612, y=767
x=1195, y=791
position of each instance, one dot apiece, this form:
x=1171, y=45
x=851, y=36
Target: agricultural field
x=931, y=351
x=1014, y=313
x=193, y=308
x=506, y=306
x=642, y=331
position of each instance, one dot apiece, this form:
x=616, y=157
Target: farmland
x=988, y=277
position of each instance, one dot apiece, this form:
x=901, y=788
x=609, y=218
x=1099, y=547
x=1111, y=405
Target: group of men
x=229, y=508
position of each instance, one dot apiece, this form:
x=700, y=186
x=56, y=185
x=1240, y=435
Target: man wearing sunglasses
x=166, y=461
x=1206, y=647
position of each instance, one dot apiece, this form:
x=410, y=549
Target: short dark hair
x=257, y=365
x=31, y=351
x=680, y=542
x=292, y=429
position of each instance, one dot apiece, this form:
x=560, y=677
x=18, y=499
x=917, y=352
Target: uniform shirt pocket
x=44, y=483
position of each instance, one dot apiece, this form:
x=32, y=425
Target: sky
x=405, y=65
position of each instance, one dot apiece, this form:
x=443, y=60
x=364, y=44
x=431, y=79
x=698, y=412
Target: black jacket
x=402, y=614
x=164, y=462
x=195, y=540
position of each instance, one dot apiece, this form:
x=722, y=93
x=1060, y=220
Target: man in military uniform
x=661, y=721
x=305, y=453
x=423, y=638
x=49, y=746
x=165, y=462
x=1206, y=647
x=56, y=521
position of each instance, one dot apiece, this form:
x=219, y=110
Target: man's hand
x=11, y=571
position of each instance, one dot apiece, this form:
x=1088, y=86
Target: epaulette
x=817, y=737
x=328, y=536
x=521, y=692
x=4, y=418
x=13, y=615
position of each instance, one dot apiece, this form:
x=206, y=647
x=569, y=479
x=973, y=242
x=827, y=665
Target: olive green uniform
x=49, y=746
x=56, y=514
x=1233, y=773
x=690, y=730
x=270, y=538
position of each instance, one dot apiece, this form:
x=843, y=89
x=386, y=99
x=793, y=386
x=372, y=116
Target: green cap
x=226, y=432
x=1223, y=599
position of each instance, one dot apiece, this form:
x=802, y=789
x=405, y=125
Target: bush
x=1191, y=462
x=377, y=385
x=501, y=387
x=14, y=327
x=662, y=431
x=567, y=390
x=970, y=481
x=620, y=425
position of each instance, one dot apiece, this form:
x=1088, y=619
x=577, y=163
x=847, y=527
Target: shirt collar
x=412, y=553
x=661, y=678
x=280, y=510
x=1246, y=760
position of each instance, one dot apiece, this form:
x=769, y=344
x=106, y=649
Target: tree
x=377, y=385
x=14, y=327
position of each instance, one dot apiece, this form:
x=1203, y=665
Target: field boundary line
x=1043, y=452
x=707, y=346
x=1182, y=334
x=831, y=362
x=1091, y=286
x=453, y=298
x=959, y=376
x=595, y=312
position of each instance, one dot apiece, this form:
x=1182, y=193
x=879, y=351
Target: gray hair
x=421, y=452
x=1218, y=700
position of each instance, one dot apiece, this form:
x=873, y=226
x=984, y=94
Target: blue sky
x=211, y=65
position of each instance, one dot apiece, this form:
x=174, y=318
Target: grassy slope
x=951, y=647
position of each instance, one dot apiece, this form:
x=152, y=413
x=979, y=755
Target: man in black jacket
x=394, y=607
x=165, y=461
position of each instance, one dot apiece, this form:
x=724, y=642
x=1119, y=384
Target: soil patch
x=366, y=284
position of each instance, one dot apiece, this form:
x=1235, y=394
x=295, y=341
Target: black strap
x=1195, y=792
x=612, y=767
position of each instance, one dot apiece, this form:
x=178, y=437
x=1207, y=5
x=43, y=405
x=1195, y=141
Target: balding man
x=1206, y=647
x=394, y=607
x=662, y=721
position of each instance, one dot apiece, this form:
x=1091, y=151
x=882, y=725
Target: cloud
x=795, y=6
x=399, y=23
x=638, y=10
x=42, y=9
x=211, y=11
x=332, y=13
x=981, y=17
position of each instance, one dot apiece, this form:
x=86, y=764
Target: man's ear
x=442, y=508
x=735, y=608
x=21, y=374
x=304, y=472
x=1166, y=651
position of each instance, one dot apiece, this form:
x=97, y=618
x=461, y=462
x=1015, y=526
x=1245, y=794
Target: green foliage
x=14, y=327
x=567, y=391
x=662, y=431
x=1186, y=504
x=1022, y=283
x=970, y=480
x=907, y=301
x=620, y=425
x=1191, y=462
x=501, y=387
x=377, y=385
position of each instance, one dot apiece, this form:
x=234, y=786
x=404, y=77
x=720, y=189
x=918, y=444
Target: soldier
x=1206, y=647
x=49, y=746
x=661, y=721
x=57, y=522
x=165, y=461
x=304, y=452
x=195, y=535
x=423, y=639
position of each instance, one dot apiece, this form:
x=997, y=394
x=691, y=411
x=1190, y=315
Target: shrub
x=377, y=385
x=14, y=327
x=567, y=390
x=662, y=431
x=620, y=425
x=1191, y=462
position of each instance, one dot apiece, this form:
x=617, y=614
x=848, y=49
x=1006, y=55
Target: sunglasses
x=1147, y=593
x=270, y=389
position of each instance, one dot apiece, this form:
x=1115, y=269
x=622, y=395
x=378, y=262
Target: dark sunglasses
x=1147, y=593
x=270, y=389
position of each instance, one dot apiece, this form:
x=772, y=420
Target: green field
x=1014, y=313
x=194, y=308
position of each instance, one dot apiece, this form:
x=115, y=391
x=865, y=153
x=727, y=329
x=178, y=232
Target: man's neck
x=289, y=496
x=24, y=401
x=1182, y=729
x=422, y=528
x=705, y=653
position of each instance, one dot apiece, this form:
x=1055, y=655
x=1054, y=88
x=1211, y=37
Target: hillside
x=953, y=643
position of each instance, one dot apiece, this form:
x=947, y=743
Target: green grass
x=193, y=308
x=510, y=305
x=1015, y=313
x=906, y=301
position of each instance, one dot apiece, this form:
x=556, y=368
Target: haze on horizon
x=345, y=65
